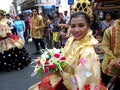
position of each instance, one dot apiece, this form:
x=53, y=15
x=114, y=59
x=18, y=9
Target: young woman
x=83, y=70
x=107, y=22
x=13, y=55
x=20, y=27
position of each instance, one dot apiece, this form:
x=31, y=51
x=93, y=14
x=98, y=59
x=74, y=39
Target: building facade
x=43, y=6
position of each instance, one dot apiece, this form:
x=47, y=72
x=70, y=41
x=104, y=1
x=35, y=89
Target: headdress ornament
x=83, y=6
x=3, y=12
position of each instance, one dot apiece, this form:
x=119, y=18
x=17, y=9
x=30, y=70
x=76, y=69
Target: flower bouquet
x=51, y=60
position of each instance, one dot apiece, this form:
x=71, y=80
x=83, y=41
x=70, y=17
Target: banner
x=70, y=2
x=50, y=2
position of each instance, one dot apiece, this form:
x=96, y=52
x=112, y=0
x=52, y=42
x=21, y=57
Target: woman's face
x=79, y=27
x=18, y=18
x=108, y=17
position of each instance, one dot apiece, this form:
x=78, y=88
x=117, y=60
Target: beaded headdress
x=83, y=6
x=3, y=12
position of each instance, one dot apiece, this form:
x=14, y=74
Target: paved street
x=19, y=80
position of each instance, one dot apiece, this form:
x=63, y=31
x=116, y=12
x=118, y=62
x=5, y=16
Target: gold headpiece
x=3, y=12
x=83, y=6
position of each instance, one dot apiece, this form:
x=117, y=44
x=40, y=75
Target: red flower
x=52, y=66
x=39, y=63
x=63, y=58
x=57, y=55
x=46, y=69
x=87, y=87
x=47, y=62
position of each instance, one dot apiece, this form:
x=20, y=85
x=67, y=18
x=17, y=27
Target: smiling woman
x=83, y=69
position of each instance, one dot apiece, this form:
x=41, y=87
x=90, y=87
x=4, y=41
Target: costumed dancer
x=111, y=61
x=83, y=69
x=13, y=55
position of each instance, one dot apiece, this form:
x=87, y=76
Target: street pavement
x=19, y=80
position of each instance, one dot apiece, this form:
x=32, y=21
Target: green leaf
x=40, y=73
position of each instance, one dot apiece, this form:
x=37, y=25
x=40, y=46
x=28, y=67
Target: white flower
x=56, y=50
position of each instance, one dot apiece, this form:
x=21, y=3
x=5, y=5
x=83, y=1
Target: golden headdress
x=3, y=12
x=82, y=5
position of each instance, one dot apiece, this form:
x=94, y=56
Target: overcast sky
x=5, y=4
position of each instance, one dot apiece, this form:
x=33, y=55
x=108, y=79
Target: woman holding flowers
x=82, y=71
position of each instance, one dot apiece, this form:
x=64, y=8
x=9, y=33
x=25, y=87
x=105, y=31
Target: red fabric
x=14, y=37
x=87, y=87
x=45, y=84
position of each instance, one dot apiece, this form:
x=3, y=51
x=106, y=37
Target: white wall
x=64, y=6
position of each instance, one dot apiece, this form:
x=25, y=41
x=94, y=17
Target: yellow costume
x=5, y=42
x=75, y=52
x=38, y=23
x=111, y=46
x=13, y=55
x=83, y=69
x=56, y=36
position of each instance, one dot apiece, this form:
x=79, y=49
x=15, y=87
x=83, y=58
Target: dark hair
x=100, y=34
x=57, y=13
x=7, y=14
x=86, y=16
x=50, y=17
x=108, y=12
x=21, y=16
x=35, y=10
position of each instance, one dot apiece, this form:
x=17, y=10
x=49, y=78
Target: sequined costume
x=76, y=75
x=13, y=55
x=111, y=47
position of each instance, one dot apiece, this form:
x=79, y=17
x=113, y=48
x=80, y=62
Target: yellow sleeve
x=106, y=45
x=92, y=66
x=109, y=57
x=41, y=25
x=89, y=72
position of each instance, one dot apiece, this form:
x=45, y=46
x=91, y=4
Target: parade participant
x=83, y=70
x=13, y=55
x=36, y=31
x=111, y=61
